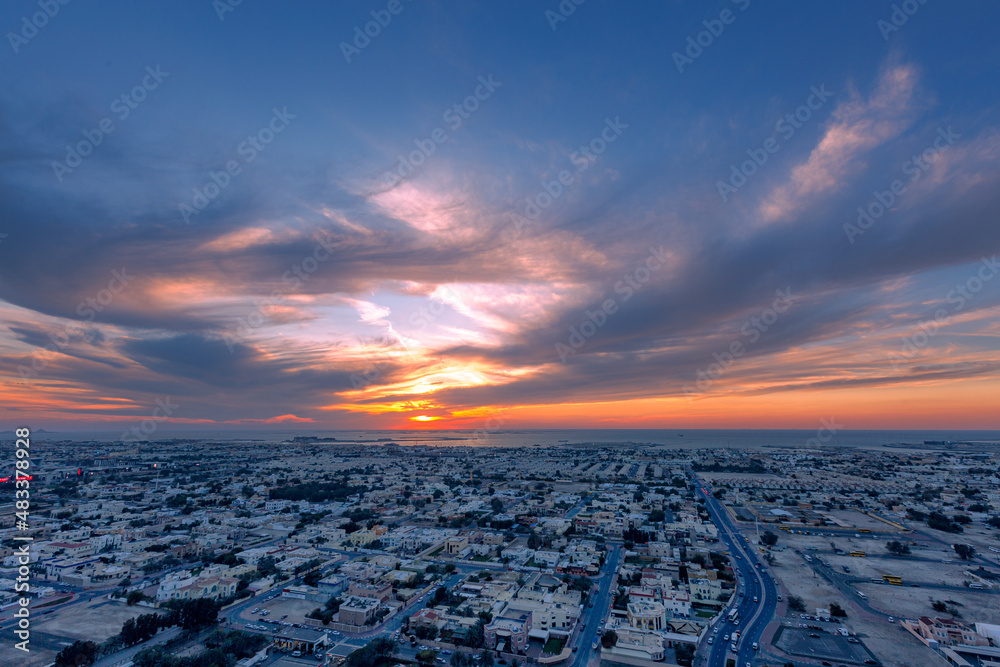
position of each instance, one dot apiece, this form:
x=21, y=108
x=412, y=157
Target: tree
x=486, y=658
x=940, y=606
x=377, y=651
x=440, y=596
x=837, y=611
x=476, y=635
x=496, y=505
x=684, y=654
x=77, y=654
x=768, y=539
x=426, y=657
x=897, y=548
x=609, y=638
x=134, y=597
x=533, y=541
x=938, y=521
x=192, y=614
x=965, y=551
x=795, y=603
x=657, y=516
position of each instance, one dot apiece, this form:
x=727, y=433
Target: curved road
x=754, y=582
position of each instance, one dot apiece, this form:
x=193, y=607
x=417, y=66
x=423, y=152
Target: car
x=710, y=640
x=284, y=617
x=892, y=620
x=814, y=635
x=726, y=638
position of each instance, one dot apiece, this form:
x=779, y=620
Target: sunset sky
x=264, y=216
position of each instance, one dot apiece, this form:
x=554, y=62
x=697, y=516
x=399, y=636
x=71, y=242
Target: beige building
x=358, y=611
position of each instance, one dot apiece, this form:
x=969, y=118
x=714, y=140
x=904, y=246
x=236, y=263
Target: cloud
x=857, y=126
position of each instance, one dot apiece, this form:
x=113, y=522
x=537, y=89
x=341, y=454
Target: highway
x=752, y=582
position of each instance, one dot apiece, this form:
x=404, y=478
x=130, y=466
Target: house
x=949, y=632
x=646, y=615
x=634, y=647
x=508, y=631
x=456, y=545
x=358, y=611
x=381, y=591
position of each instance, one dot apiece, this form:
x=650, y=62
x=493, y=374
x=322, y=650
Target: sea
x=582, y=438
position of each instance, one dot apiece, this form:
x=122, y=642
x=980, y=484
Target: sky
x=399, y=214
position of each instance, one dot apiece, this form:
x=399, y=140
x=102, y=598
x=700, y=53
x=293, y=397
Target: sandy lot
x=913, y=602
x=96, y=620
x=893, y=646
x=857, y=519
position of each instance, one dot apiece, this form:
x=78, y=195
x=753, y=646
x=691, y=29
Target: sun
x=424, y=418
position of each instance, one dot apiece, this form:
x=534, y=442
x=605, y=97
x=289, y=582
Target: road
x=752, y=582
x=594, y=615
